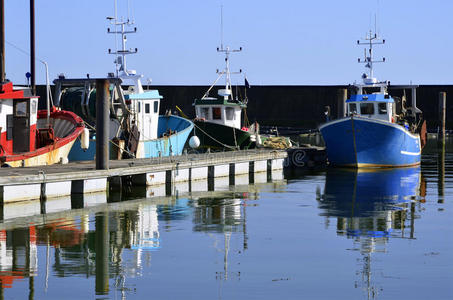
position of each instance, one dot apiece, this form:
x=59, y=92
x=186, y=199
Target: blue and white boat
x=136, y=128
x=376, y=131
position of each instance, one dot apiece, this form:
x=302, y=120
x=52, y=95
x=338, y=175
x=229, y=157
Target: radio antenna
x=221, y=27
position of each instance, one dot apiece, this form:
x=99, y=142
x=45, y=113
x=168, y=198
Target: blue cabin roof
x=148, y=95
x=370, y=97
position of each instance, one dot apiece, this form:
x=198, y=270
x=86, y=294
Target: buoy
x=85, y=139
x=194, y=142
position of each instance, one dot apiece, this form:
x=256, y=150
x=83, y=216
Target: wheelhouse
x=146, y=107
x=222, y=110
x=18, y=118
x=375, y=106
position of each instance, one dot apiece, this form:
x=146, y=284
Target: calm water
x=330, y=235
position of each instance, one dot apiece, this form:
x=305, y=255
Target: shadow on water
x=370, y=207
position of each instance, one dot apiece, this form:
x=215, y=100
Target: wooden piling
x=102, y=124
x=342, y=96
x=442, y=116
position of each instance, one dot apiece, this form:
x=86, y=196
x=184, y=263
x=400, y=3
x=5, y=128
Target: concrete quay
x=46, y=182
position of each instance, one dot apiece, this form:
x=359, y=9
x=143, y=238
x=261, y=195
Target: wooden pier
x=46, y=182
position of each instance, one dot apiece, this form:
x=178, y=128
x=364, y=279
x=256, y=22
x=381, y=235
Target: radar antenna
x=370, y=40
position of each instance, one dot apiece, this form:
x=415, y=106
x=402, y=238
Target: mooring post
x=342, y=96
x=442, y=115
x=102, y=124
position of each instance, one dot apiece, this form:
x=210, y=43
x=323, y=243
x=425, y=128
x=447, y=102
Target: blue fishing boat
x=136, y=128
x=378, y=130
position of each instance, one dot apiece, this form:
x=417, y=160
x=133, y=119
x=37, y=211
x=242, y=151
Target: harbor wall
x=300, y=106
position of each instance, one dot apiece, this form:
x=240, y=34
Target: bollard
x=102, y=124
x=342, y=96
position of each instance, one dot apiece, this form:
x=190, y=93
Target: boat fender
x=85, y=139
x=194, y=142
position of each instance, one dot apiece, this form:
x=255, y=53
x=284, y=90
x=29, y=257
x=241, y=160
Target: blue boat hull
x=365, y=142
x=163, y=146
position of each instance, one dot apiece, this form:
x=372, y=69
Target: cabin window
x=139, y=106
x=33, y=107
x=229, y=113
x=216, y=113
x=204, y=113
x=352, y=108
x=156, y=106
x=147, y=108
x=366, y=108
x=21, y=109
x=382, y=107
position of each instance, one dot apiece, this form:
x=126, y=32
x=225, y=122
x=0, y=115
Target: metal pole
x=342, y=96
x=102, y=124
x=32, y=47
x=442, y=115
x=2, y=41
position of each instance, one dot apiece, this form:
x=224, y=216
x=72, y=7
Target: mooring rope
x=117, y=145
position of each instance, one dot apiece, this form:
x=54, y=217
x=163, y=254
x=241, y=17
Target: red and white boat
x=30, y=137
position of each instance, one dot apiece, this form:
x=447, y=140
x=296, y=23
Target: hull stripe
x=410, y=153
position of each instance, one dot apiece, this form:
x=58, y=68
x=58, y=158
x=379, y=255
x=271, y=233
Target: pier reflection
x=370, y=208
x=110, y=242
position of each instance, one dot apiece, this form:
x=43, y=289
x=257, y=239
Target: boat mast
x=32, y=47
x=2, y=42
x=370, y=40
x=227, y=52
x=121, y=54
x=120, y=28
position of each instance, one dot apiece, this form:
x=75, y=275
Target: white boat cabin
x=18, y=118
x=221, y=110
x=146, y=107
x=376, y=106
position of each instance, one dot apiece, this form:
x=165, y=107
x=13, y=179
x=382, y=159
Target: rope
x=117, y=145
x=235, y=141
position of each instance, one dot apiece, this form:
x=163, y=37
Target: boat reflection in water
x=372, y=206
x=111, y=242
x=220, y=218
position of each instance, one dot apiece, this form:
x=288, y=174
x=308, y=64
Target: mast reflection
x=222, y=214
x=371, y=207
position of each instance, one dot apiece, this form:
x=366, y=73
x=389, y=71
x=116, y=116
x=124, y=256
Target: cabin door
x=21, y=126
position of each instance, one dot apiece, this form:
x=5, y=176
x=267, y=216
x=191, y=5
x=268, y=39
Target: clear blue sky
x=284, y=42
